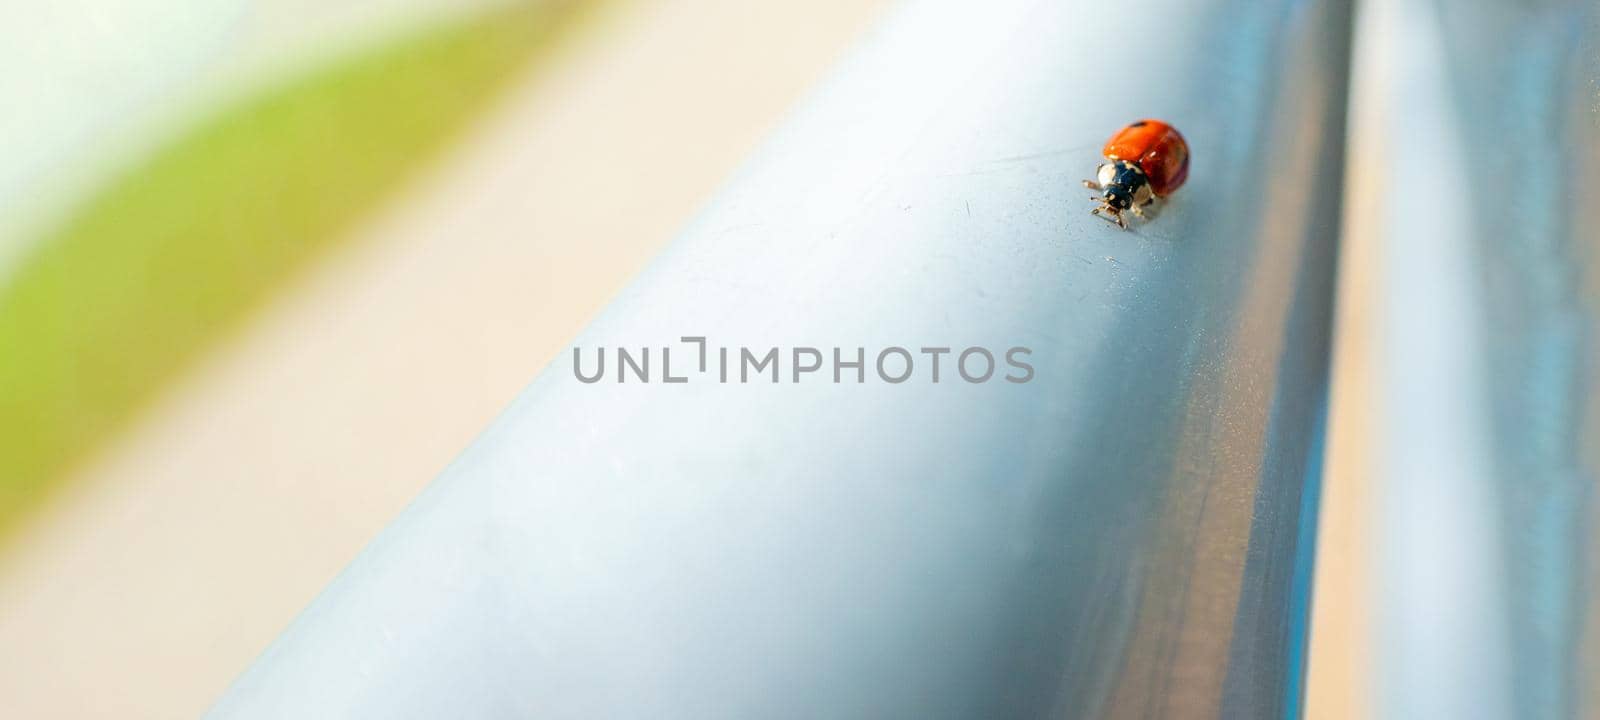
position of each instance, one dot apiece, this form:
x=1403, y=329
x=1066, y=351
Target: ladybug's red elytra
x=1149, y=160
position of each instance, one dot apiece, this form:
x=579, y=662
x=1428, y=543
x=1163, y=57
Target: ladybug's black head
x=1123, y=188
x=1124, y=184
x=1119, y=197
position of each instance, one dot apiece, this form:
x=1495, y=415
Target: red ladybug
x=1149, y=159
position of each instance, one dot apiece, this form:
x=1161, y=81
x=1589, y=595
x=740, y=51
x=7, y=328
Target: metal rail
x=1486, y=363
x=1127, y=533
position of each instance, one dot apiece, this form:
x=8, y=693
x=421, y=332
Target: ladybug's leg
x=1139, y=210
x=1110, y=215
x=1149, y=209
x=1092, y=185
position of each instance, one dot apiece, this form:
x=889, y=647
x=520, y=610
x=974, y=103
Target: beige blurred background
x=291, y=444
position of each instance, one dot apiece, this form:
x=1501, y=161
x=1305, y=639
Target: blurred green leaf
x=113, y=304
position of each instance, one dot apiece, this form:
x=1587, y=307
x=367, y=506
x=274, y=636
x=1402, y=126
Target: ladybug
x=1149, y=160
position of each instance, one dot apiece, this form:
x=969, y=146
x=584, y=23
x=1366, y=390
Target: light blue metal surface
x=1125, y=535
x=1486, y=530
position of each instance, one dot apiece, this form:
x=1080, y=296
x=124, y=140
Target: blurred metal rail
x=1487, y=360
x=1126, y=535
